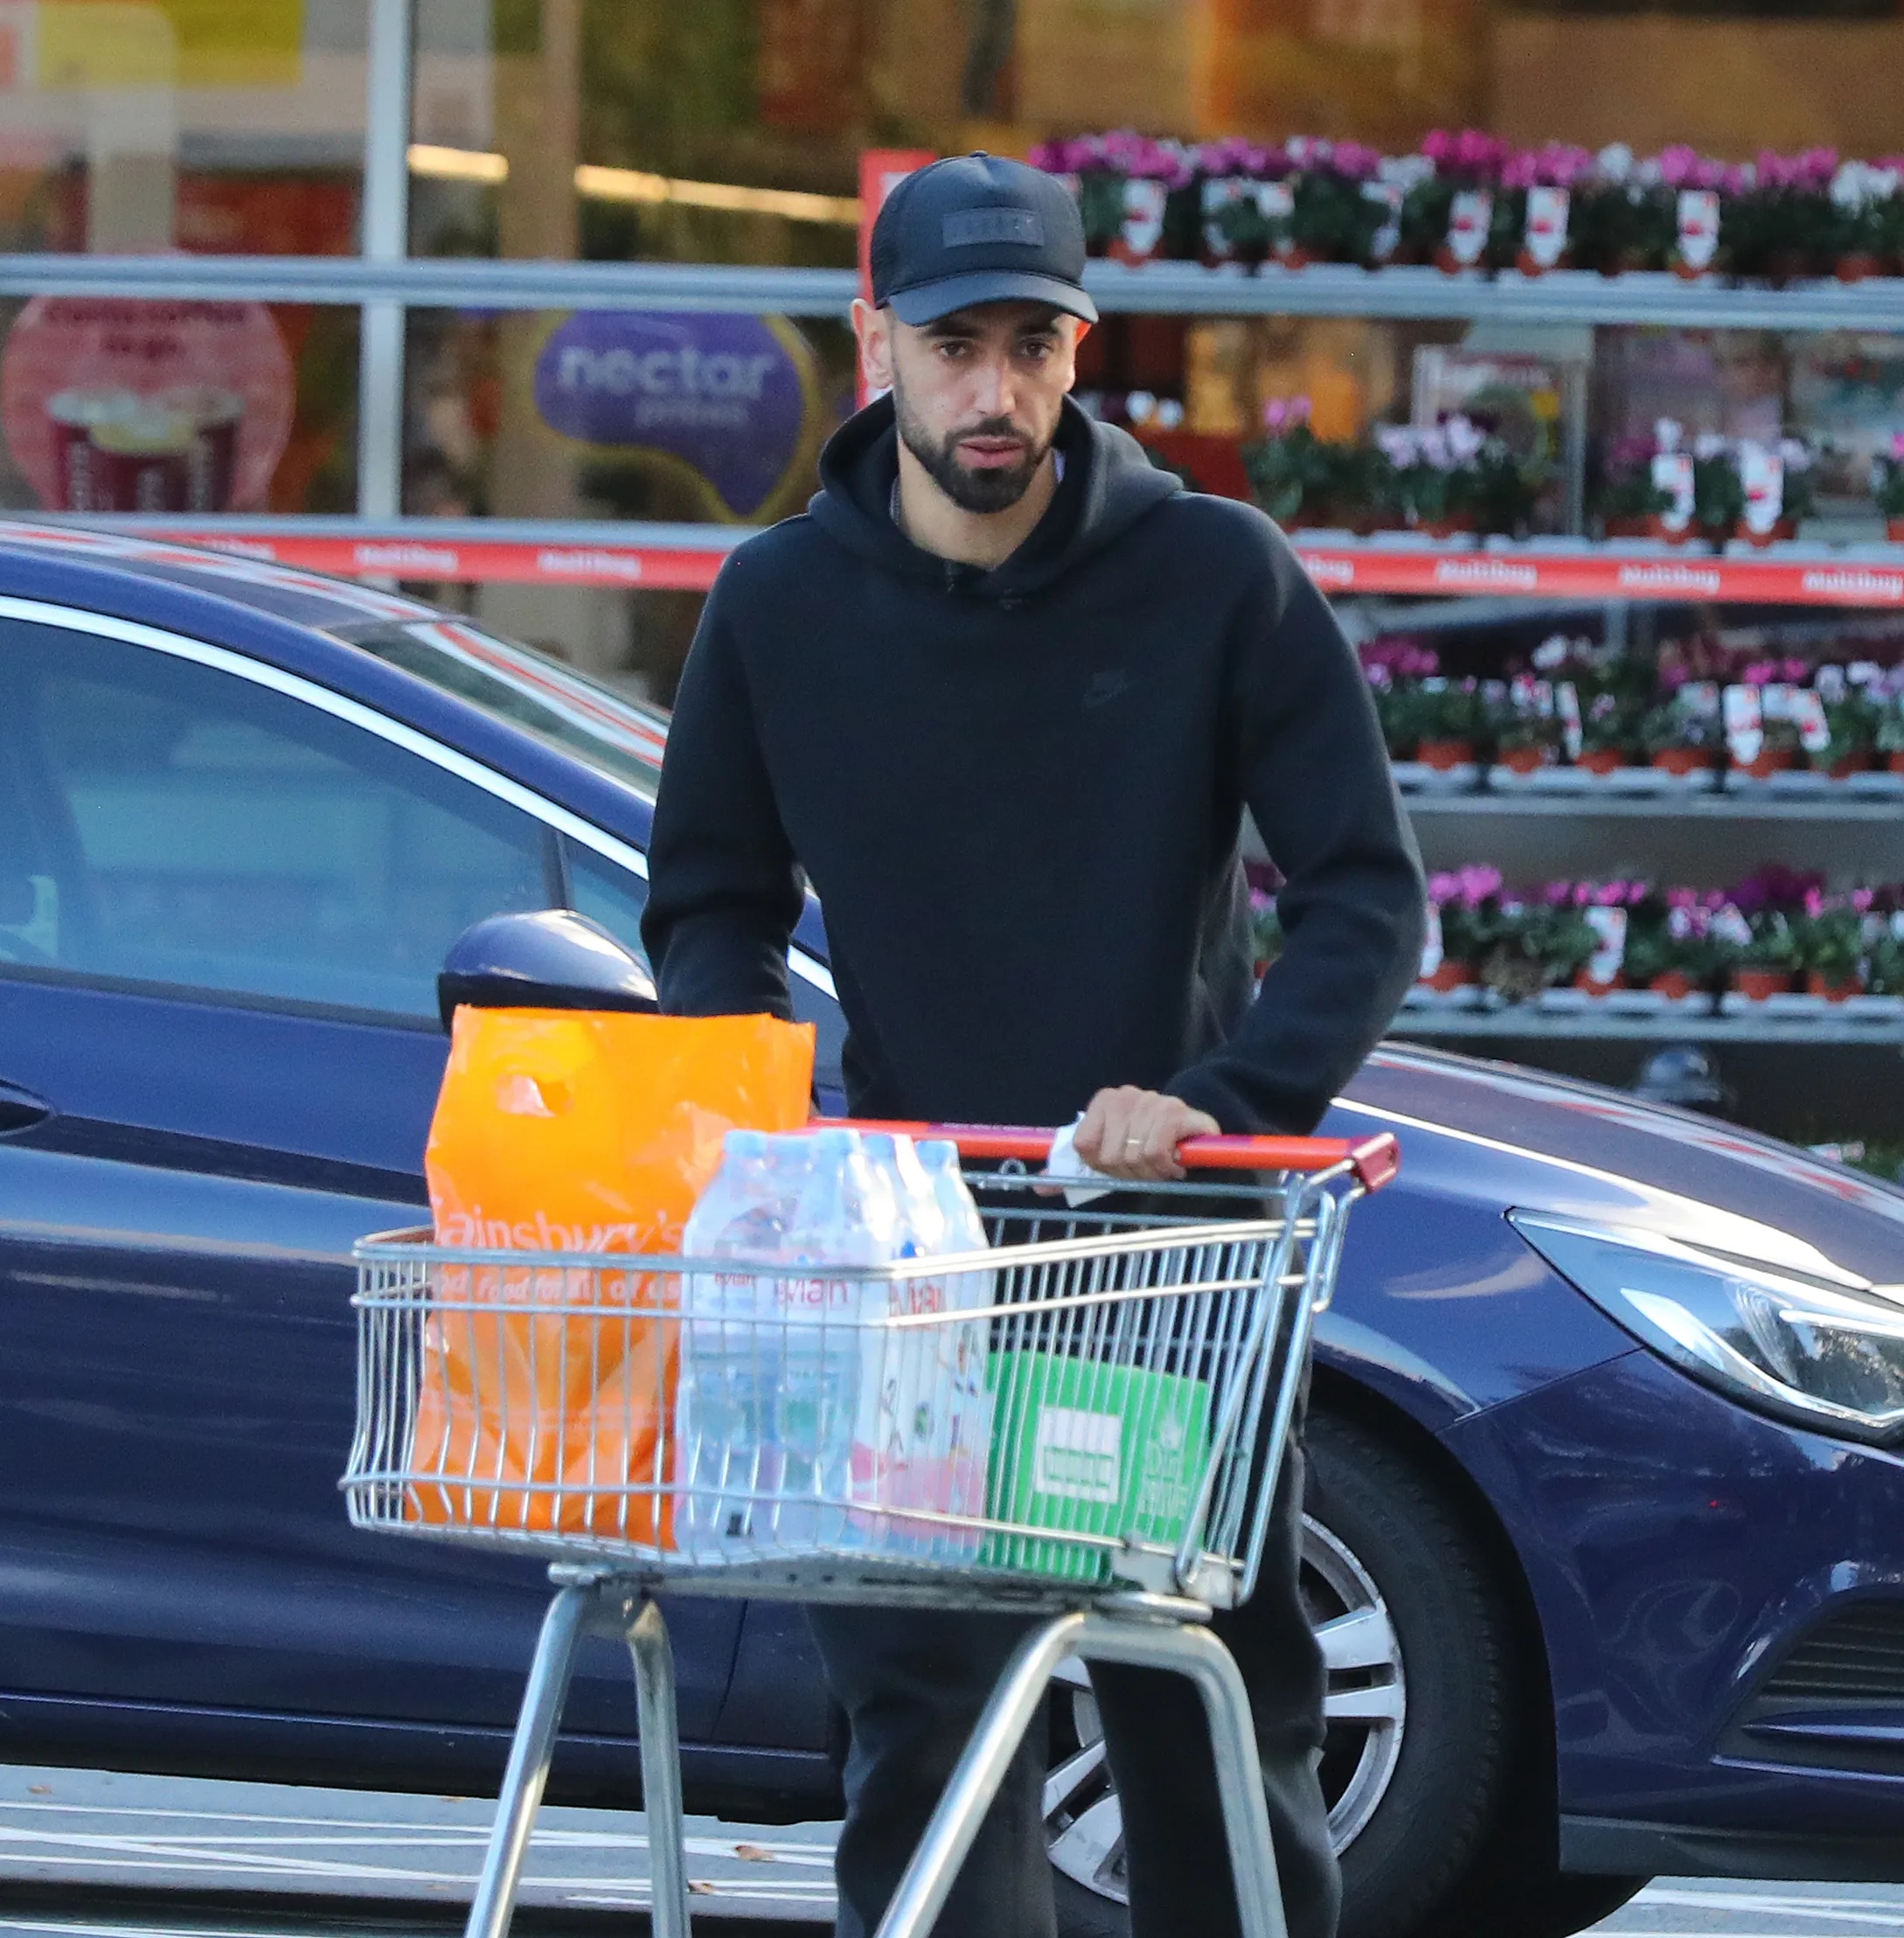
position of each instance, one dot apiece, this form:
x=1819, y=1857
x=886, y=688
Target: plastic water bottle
x=846, y=1215
x=967, y=1430
x=740, y=1217
x=923, y=1423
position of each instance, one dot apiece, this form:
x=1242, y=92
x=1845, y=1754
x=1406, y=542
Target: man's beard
x=994, y=488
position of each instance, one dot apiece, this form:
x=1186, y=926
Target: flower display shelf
x=687, y=557
x=1561, y=297
x=1872, y=1021
x=1716, y=805
x=1790, y=573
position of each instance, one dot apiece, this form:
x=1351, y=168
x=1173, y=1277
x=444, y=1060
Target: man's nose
x=994, y=393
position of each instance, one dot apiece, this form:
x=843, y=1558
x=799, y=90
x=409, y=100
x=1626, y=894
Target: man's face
x=977, y=395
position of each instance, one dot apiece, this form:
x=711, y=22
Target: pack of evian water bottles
x=803, y=1421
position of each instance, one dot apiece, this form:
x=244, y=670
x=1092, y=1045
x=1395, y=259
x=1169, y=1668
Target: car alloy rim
x=1365, y=1707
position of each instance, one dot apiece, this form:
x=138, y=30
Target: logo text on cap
x=975, y=225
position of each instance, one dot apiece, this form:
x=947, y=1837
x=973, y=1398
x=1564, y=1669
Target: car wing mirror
x=549, y=959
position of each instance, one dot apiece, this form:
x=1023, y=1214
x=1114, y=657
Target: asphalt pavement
x=91, y=1854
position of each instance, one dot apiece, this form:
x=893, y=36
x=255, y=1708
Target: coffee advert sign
x=112, y=404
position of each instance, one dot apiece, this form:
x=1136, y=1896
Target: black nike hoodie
x=1019, y=795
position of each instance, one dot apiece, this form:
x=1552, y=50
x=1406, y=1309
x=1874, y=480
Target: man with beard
x=1004, y=694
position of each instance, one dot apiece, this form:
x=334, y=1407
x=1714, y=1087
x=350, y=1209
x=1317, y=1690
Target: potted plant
x=1468, y=906
x=1852, y=720
x=1608, y=734
x=1864, y=196
x=1830, y=934
x=1678, y=739
x=1623, y=497
x=1884, y=966
x=1625, y=217
x=1436, y=474
x=1798, y=499
x=1779, y=749
x=1395, y=669
x=1766, y=963
x=1453, y=722
x=1333, y=218
x=1525, y=739
x=1888, y=736
x=1780, y=224
x=1556, y=936
x=1649, y=958
x=1135, y=194
x=1887, y=487
x=1719, y=497
x=1290, y=468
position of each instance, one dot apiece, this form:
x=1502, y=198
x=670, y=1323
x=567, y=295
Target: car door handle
x=20, y=1109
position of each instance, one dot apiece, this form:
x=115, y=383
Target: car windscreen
x=527, y=689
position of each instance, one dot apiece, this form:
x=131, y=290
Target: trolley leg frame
x=1149, y=1634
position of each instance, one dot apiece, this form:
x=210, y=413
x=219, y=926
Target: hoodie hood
x=1109, y=484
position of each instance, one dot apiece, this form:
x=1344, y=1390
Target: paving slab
x=190, y=1836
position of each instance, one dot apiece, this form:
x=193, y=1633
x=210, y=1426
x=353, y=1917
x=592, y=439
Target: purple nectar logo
x=727, y=396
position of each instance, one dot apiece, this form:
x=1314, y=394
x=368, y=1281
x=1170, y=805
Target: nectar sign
x=723, y=399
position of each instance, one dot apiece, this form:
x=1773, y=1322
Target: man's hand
x=1133, y=1133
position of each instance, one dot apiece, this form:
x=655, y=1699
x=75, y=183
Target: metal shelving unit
x=1589, y=806
x=1676, y=1023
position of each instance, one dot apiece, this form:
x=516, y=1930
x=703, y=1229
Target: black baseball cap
x=978, y=228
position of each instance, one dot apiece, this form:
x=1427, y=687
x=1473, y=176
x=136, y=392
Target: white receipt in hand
x=1063, y=1161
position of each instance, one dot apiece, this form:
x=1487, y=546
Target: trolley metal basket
x=1086, y=1420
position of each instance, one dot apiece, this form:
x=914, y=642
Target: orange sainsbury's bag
x=561, y=1130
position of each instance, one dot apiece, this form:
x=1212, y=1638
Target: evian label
x=1545, y=236
x=1698, y=227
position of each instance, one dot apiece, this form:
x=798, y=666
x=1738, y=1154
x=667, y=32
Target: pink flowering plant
x=1334, y=219
x=1829, y=931
x=1624, y=214
x=1780, y=221
x=1621, y=486
x=1468, y=901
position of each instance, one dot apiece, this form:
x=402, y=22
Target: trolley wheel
x=1420, y=1709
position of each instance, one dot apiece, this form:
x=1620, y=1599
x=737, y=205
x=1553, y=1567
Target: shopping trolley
x=1084, y=1423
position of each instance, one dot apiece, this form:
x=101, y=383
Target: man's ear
x=1078, y=334
x=873, y=328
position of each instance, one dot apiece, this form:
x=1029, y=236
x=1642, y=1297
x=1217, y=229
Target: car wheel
x=1418, y=1709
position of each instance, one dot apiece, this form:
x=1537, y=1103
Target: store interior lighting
x=629, y=184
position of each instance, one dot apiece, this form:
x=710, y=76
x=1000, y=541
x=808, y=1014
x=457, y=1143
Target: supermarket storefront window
x=222, y=127
x=730, y=130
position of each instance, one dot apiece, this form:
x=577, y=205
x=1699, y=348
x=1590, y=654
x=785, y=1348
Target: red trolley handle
x=1375, y=1160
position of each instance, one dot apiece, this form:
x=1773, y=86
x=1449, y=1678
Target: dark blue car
x=1607, y=1537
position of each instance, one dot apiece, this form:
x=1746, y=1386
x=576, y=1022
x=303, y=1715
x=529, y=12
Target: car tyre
x=1414, y=1842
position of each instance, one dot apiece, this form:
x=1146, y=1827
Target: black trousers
x=913, y=1682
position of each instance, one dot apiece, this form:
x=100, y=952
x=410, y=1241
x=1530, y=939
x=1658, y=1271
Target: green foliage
x=1719, y=499
x=1884, y=967
x=1333, y=218
x=1832, y=942
x=1291, y=471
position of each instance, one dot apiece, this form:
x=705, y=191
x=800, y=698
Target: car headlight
x=1827, y=1355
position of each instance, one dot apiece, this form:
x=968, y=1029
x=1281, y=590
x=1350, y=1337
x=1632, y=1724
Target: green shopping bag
x=1084, y=1448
